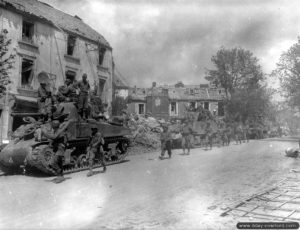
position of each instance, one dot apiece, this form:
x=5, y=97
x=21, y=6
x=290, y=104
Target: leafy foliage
x=238, y=72
x=6, y=61
x=288, y=71
x=235, y=69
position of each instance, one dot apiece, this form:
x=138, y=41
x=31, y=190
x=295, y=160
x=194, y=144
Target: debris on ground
x=145, y=133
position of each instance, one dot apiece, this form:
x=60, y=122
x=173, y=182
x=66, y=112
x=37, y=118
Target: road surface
x=185, y=192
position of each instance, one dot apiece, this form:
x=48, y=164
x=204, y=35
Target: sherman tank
x=28, y=152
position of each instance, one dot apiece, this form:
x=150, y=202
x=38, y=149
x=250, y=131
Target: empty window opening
x=27, y=73
x=27, y=31
x=193, y=105
x=206, y=105
x=141, y=108
x=71, y=44
x=101, y=55
x=221, y=109
x=174, y=108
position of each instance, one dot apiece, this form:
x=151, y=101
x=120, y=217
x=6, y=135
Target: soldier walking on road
x=209, y=135
x=186, y=132
x=84, y=88
x=238, y=133
x=58, y=141
x=95, y=147
x=246, y=131
x=166, y=142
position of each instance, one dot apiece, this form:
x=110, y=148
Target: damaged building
x=49, y=43
x=172, y=101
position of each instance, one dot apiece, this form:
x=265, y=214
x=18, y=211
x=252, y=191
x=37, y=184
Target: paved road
x=185, y=192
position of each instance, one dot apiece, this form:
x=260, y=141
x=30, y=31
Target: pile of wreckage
x=145, y=132
x=146, y=129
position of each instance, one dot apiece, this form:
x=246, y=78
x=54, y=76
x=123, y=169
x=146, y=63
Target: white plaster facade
x=48, y=52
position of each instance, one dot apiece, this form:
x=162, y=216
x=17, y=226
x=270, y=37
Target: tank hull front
x=13, y=155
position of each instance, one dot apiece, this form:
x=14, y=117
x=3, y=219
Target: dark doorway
x=70, y=75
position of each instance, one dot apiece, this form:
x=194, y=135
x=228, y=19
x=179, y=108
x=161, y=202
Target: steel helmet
x=55, y=124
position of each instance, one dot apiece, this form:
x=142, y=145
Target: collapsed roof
x=179, y=94
x=56, y=17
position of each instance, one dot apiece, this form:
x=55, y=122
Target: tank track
x=97, y=165
x=43, y=167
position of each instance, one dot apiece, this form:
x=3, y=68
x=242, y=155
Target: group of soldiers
x=224, y=134
x=166, y=139
x=77, y=92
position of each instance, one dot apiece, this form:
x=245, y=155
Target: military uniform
x=84, y=88
x=44, y=101
x=58, y=142
x=166, y=142
x=246, y=132
x=238, y=133
x=209, y=135
x=95, y=147
x=186, y=132
x=67, y=92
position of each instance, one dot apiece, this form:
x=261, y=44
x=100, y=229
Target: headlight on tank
x=5, y=141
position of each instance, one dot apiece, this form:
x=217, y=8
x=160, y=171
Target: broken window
x=221, y=111
x=27, y=73
x=141, y=108
x=27, y=31
x=71, y=42
x=173, y=108
x=193, y=105
x=206, y=105
x=102, y=51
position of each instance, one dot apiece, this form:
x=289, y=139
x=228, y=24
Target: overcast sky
x=169, y=41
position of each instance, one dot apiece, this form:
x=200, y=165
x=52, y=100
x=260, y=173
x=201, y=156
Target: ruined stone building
x=61, y=46
x=172, y=101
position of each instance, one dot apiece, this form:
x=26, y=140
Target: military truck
x=26, y=152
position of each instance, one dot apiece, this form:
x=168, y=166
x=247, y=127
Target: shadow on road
x=54, y=179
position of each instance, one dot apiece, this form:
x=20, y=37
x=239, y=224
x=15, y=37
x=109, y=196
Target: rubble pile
x=145, y=133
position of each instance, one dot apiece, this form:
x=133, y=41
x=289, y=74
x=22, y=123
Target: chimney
x=153, y=84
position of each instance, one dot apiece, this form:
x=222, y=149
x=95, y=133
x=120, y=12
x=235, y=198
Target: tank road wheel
x=72, y=165
x=122, y=148
x=40, y=158
x=82, y=161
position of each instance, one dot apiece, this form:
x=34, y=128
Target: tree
x=238, y=72
x=6, y=61
x=288, y=72
x=235, y=69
